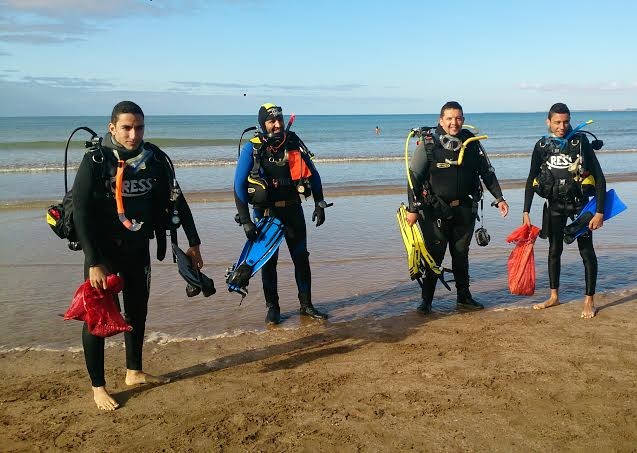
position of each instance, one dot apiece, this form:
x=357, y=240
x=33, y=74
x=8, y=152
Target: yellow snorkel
x=464, y=147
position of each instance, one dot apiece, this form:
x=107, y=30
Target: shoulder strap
x=256, y=156
x=174, y=191
x=430, y=140
x=100, y=159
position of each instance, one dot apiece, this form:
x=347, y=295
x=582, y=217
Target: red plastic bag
x=522, y=260
x=97, y=307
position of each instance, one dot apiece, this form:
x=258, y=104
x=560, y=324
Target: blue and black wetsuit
x=447, y=196
x=284, y=202
x=105, y=241
x=565, y=199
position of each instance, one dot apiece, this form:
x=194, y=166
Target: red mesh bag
x=98, y=308
x=522, y=260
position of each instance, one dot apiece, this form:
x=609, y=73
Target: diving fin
x=418, y=258
x=612, y=207
x=255, y=254
x=196, y=280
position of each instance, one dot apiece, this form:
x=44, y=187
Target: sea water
x=358, y=260
x=347, y=150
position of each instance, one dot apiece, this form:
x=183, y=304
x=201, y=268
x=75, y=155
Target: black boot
x=274, y=311
x=424, y=307
x=467, y=302
x=307, y=309
x=428, y=289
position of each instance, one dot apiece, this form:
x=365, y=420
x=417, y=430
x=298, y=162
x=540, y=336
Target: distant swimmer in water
x=377, y=130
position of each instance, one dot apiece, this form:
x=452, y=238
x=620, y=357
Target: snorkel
x=562, y=141
x=577, y=128
x=136, y=163
x=119, y=200
x=464, y=147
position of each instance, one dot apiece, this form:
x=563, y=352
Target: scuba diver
x=273, y=171
x=565, y=171
x=444, y=193
x=124, y=193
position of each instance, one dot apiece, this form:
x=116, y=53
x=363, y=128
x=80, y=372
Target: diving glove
x=250, y=230
x=318, y=216
x=319, y=212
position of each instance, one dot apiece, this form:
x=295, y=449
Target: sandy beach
x=377, y=377
x=497, y=380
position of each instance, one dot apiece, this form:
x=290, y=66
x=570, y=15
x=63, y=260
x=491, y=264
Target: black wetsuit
x=105, y=241
x=447, y=198
x=565, y=199
x=283, y=202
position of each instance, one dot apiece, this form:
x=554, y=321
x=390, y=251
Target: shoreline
x=334, y=190
x=161, y=340
x=497, y=380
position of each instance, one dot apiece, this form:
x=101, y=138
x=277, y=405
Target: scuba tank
x=60, y=216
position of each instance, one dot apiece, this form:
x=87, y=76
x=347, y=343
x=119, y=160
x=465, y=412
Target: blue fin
x=255, y=254
x=612, y=207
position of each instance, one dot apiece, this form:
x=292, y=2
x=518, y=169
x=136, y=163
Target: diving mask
x=482, y=237
x=450, y=143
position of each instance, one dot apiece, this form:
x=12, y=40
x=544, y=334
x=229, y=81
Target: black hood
x=109, y=142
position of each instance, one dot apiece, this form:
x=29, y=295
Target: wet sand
x=358, y=271
x=507, y=380
x=334, y=190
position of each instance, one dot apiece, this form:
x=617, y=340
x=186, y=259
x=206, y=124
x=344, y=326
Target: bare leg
x=139, y=377
x=550, y=302
x=589, y=310
x=103, y=400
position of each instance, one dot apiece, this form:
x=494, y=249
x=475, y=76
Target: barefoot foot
x=589, y=310
x=134, y=377
x=551, y=302
x=103, y=400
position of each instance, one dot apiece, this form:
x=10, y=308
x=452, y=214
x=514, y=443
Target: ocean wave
x=52, y=167
x=161, y=142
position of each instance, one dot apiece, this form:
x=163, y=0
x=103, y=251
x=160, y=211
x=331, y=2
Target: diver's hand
x=195, y=256
x=526, y=219
x=318, y=216
x=503, y=207
x=596, y=222
x=97, y=276
x=411, y=218
x=250, y=230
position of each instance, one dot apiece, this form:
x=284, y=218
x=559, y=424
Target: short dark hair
x=125, y=107
x=450, y=105
x=558, y=107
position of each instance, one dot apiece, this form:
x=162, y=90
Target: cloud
x=196, y=88
x=188, y=86
x=54, y=22
x=68, y=96
x=612, y=86
x=39, y=38
x=69, y=82
x=38, y=9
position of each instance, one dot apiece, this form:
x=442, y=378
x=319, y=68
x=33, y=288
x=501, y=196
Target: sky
x=200, y=57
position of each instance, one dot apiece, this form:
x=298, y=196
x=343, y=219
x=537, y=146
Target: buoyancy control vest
x=447, y=180
x=563, y=178
x=279, y=174
x=160, y=214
